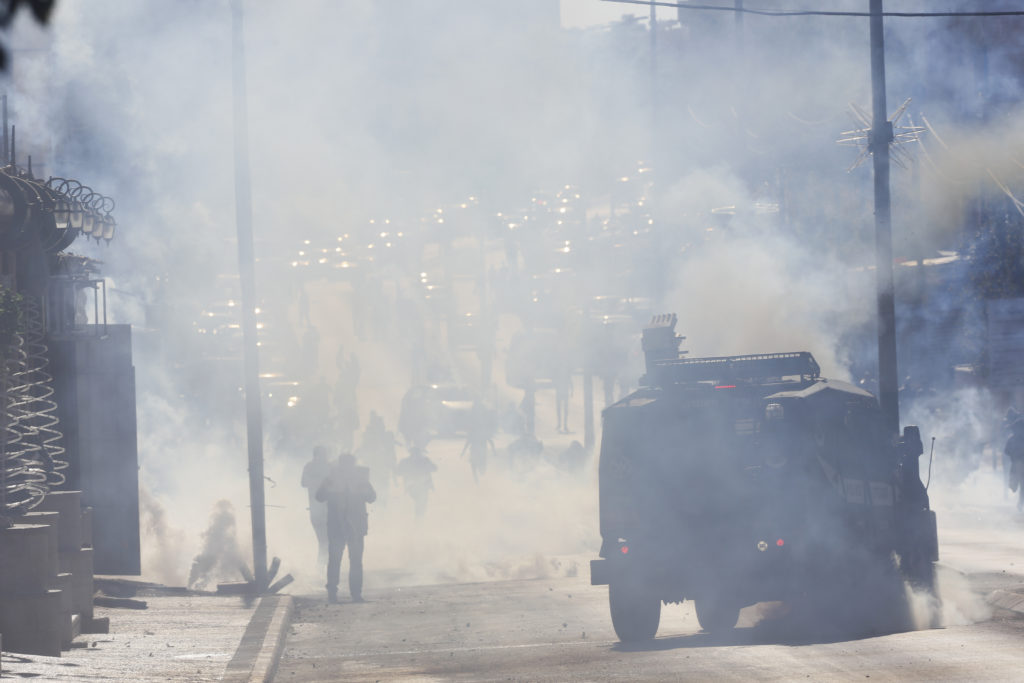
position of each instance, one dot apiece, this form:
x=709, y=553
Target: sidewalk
x=179, y=636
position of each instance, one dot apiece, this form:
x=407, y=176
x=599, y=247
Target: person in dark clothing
x=346, y=491
x=1015, y=453
x=378, y=451
x=417, y=472
x=313, y=475
x=479, y=438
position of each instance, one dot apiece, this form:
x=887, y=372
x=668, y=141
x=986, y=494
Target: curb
x=258, y=654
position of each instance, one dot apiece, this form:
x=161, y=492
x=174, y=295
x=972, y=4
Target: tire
x=635, y=612
x=717, y=615
x=919, y=572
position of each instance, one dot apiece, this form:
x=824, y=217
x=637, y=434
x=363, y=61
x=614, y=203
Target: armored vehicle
x=736, y=480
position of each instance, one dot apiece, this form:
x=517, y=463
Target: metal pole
x=739, y=28
x=654, y=87
x=739, y=80
x=881, y=136
x=7, y=143
x=247, y=275
x=654, y=57
x=588, y=409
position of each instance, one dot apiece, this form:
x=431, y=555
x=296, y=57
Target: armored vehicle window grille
x=722, y=369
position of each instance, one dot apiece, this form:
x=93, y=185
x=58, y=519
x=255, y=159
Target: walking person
x=346, y=491
x=479, y=438
x=378, y=452
x=417, y=472
x=313, y=475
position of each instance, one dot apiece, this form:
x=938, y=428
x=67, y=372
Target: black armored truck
x=736, y=480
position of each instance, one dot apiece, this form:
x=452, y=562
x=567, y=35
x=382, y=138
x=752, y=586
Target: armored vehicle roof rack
x=736, y=368
x=666, y=365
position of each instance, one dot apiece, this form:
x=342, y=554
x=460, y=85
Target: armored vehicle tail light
x=780, y=543
x=624, y=549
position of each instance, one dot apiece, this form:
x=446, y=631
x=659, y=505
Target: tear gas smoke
x=219, y=558
x=365, y=119
x=165, y=545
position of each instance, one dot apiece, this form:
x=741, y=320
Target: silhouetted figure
x=563, y=390
x=479, y=438
x=1005, y=428
x=313, y=475
x=378, y=452
x=1015, y=452
x=417, y=472
x=346, y=491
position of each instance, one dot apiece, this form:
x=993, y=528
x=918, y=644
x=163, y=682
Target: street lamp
x=77, y=215
x=77, y=209
x=109, y=225
x=88, y=222
x=62, y=213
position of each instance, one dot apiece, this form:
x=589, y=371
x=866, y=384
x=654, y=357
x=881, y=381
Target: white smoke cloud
x=362, y=110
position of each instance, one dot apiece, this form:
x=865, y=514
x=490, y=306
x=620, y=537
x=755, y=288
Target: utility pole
x=739, y=74
x=654, y=84
x=654, y=54
x=881, y=137
x=739, y=29
x=247, y=275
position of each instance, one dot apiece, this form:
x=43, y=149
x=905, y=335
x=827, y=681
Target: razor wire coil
x=40, y=407
x=24, y=472
x=32, y=457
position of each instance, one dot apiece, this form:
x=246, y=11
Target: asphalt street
x=557, y=627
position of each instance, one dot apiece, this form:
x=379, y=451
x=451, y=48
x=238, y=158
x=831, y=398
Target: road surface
x=556, y=627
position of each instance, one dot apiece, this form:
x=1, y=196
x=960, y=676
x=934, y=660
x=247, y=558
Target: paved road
x=558, y=628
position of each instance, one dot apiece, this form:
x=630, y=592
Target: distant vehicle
x=736, y=480
x=435, y=410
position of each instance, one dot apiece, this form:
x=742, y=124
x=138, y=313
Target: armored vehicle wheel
x=635, y=611
x=919, y=571
x=716, y=614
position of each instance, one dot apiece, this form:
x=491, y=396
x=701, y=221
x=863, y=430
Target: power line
x=815, y=13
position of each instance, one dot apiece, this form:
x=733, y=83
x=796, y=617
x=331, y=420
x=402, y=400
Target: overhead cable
x=816, y=13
